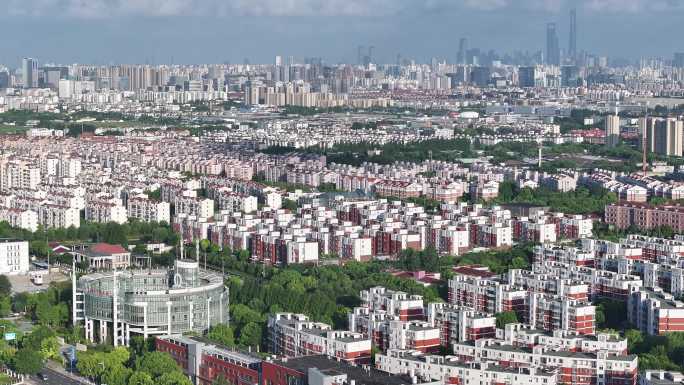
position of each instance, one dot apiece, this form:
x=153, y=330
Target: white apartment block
x=202, y=208
x=55, y=216
x=453, y=370
x=69, y=167
x=14, y=256
x=301, y=251
x=147, y=210
x=18, y=174
x=234, y=202
x=22, y=219
x=522, y=335
x=293, y=335
x=105, y=212
x=273, y=200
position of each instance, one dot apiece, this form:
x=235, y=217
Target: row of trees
x=114, y=233
x=27, y=353
x=358, y=153
x=119, y=366
x=48, y=308
x=580, y=201
x=498, y=261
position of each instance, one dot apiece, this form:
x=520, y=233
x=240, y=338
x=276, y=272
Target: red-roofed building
x=104, y=256
x=473, y=271
x=58, y=248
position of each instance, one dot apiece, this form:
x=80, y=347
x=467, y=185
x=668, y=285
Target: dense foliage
x=117, y=366
x=580, y=201
x=114, y=233
x=357, y=153
x=505, y=318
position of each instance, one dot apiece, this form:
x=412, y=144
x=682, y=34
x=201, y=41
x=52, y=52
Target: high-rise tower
x=28, y=69
x=572, y=46
x=552, y=47
x=462, y=49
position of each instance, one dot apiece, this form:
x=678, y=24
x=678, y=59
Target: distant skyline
x=214, y=31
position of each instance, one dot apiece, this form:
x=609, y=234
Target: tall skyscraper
x=28, y=70
x=612, y=130
x=462, y=50
x=552, y=45
x=572, y=46
x=678, y=61
x=4, y=79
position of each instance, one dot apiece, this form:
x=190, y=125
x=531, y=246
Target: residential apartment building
x=293, y=335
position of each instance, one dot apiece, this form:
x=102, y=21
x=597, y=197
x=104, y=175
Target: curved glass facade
x=184, y=298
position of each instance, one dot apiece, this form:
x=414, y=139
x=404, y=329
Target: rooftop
x=360, y=375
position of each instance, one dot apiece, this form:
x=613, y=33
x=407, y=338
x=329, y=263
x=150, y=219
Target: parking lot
x=22, y=283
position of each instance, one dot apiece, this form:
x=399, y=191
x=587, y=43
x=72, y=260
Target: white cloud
x=161, y=8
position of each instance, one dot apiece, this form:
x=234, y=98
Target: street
x=54, y=378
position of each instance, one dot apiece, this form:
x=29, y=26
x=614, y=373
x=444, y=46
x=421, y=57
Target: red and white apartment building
x=395, y=303
x=204, y=362
x=451, y=370
x=600, y=368
x=655, y=312
x=387, y=331
x=294, y=335
x=522, y=335
x=458, y=324
x=487, y=295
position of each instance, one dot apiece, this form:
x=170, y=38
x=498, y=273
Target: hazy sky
x=214, y=31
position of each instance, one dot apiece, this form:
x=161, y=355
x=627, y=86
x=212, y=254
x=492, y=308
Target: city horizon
x=210, y=31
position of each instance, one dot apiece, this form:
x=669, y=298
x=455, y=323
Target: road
x=55, y=378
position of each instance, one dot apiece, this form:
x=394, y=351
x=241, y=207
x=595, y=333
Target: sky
x=217, y=31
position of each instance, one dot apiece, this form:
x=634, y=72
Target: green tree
x=174, y=378
x=222, y=334
x=139, y=346
x=5, y=306
x=49, y=348
x=507, y=191
x=117, y=375
x=20, y=302
x=611, y=313
x=242, y=314
x=35, y=340
x=27, y=361
x=634, y=338
x=250, y=335
x=156, y=364
x=140, y=378
x=289, y=204
x=7, y=353
x=5, y=286
x=39, y=247
x=89, y=365
x=118, y=357
x=505, y=318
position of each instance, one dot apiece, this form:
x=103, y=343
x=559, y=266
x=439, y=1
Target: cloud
x=163, y=8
